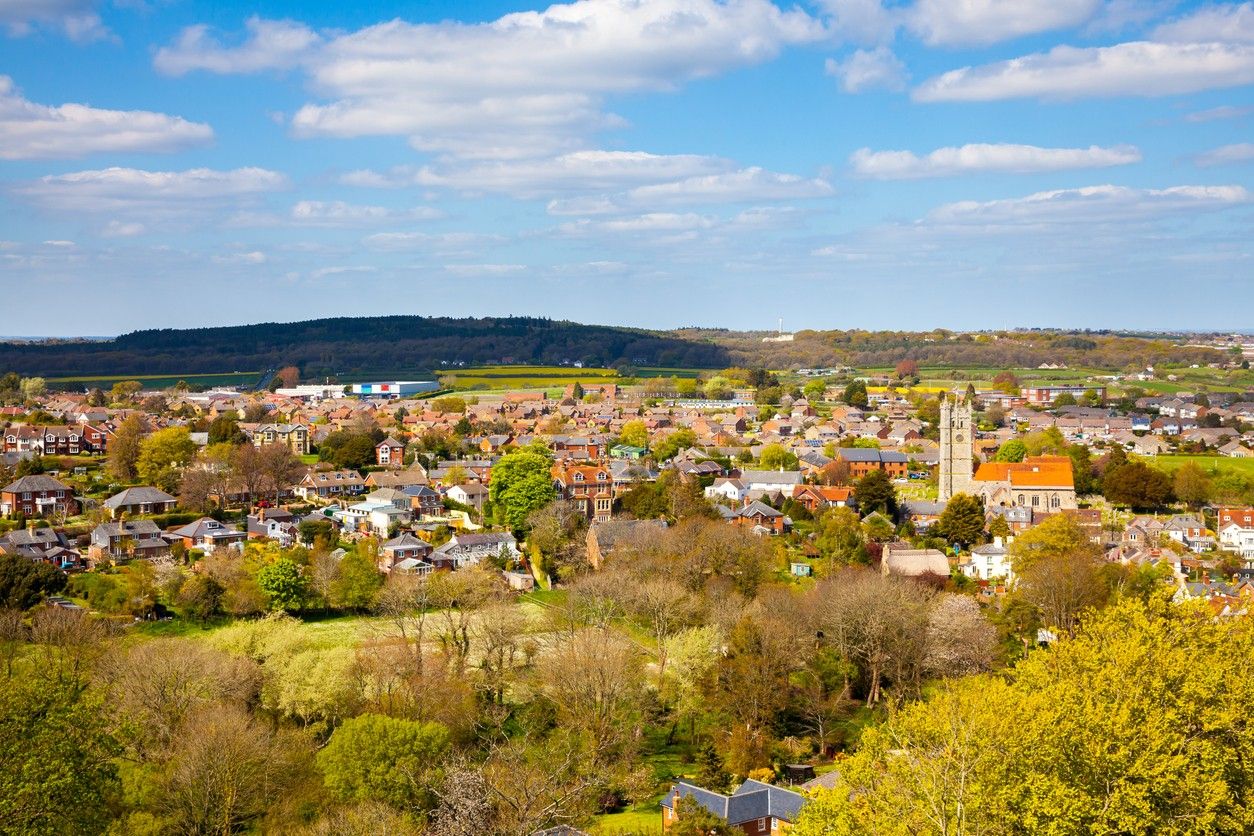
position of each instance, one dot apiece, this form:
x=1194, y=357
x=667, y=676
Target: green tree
x=59, y=772
x=24, y=582
x=33, y=388
x=839, y=537
x=691, y=819
x=520, y=484
x=163, y=455
x=358, y=580
x=225, y=428
x=674, y=441
x=962, y=521
x=124, y=449
x=124, y=392
x=634, y=434
x=1013, y=450
x=855, y=394
x=875, y=492
x=201, y=597
x=1136, y=485
x=777, y=457
x=1192, y=486
x=378, y=758
x=284, y=583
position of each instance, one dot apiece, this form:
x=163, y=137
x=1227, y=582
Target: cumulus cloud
x=1241, y=152
x=526, y=84
x=1092, y=204
x=982, y=22
x=1136, y=68
x=985, y=158
x=1226, y=22
x=869, y=69
x=269, y=45
x=35, y=131
x=153, y=192
x=77, y=19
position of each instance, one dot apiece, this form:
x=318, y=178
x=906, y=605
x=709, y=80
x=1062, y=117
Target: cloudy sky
x=836, y=163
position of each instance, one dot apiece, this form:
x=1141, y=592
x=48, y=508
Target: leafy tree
x=1099, y=735
x=777, y=456
x=59, y=772
x=201, y=597
x=875, y=492
x=1082, y=469
x=33, y=388
x=1013, y=450
x=1192, y=486
x=962, y=521
x=855, y=394
x=162, y=456
x=284, y=584
x=634, y=434
x=358, y=580
x=907, y=368
x=449, y=405
x=373, y=757
x=24, y=582
x=225, y=428
x=124, y=449
x=520, y=484
x=671, y=445
x=344, y=449
x=694, y=820
x=124, y=392
x=1137, y=485
x=839, y=537
x=1006, y=382
x=1065, y=399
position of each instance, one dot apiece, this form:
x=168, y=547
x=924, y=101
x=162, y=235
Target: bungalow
x=210, y=534
x=276, y=524
x=922, y=514
x=754, y=807
x=775, y=481
x=135, y=501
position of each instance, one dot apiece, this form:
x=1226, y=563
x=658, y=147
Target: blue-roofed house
x=755, y=807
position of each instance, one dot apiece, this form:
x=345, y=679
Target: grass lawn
x=1211, y=464
x=639, y=820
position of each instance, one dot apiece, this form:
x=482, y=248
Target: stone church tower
x=956, y=427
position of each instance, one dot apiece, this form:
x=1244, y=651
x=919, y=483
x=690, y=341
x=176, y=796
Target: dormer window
x=578, y=477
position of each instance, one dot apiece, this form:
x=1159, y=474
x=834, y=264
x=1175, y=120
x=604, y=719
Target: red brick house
x=589, y=487
x=755, y=808
x=37, y=496
x=390, y=453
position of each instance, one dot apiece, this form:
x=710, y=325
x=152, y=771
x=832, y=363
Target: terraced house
x=294, y=436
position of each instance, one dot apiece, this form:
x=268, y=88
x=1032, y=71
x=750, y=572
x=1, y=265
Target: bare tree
x=960, y=640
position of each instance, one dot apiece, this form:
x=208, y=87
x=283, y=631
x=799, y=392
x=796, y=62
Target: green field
x=156, y=381
x=1211, y=464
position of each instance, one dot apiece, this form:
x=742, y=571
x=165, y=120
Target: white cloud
x=78, y=19
x=1224, y=22
x=270, y=45
x=122, y=229
x=254, y=257
x=861, y=21
x=1089, y=205
x=35, y=131
x=325, y=272
x=445, y=243
x=981, y=22
x=1215, y=113
x=575, y=171
x=526, y=84
x=981, y=158
x=484, y=269
x=868, y=69
x=748, y=184
x=1136, y=68
x=340, y=213
x=1241, y=152
x=154, y=192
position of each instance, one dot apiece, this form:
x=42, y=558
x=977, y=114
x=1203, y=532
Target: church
x=1042, y=483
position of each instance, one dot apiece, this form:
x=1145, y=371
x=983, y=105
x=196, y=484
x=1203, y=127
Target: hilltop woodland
x=299, y=693
x=329, y=347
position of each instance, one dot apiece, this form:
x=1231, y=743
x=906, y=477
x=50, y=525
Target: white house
x=727, y=489
x=989, y=562
x=1235, y=537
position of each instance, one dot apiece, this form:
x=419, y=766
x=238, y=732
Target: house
x=330, y=483
x=294, y=436
x=589, y=486
x=755, y=807
x=903, y=560
x=468, y=549
x=405, y=547
x=604, y=538
x=921, y=513
x=136, y=501
x=423, y=501
x=762, y=518
x=46, y=545
x=209, y=534
x=126, y=539
x=390, y=453
x=1238, y=538
x=989, y=562
x=1189, y=531
x=276, y=524
x=37, y=496
x=412, y=475
x=730, y=490
x=374, y=517
x=774, y=481
x=44, y=441
x=470, y=494
x=815, y=498
x=863, y=460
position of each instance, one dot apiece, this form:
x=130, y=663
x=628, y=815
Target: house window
x=762, y=825
x=578, y=477
x=1036, y=500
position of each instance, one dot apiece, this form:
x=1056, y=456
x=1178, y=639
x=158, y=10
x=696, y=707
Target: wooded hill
x=407, y=344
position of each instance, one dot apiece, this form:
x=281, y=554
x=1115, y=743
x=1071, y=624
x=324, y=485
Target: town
x=441, y=558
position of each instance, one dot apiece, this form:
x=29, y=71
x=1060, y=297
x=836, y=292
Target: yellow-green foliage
x=1140, y=724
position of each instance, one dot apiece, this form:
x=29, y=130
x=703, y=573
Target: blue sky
x=837, y=163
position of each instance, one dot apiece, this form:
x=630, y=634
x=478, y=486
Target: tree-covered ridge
x=368, y=344
x=389, y=344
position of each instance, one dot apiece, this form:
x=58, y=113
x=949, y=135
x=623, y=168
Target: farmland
x=155, y=381
x=1213, y=465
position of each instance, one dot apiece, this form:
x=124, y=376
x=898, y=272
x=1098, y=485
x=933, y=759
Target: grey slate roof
x=34, y=484
x=751, y=800
x=137, y=496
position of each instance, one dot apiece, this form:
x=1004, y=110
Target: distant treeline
x=375, y=345
x=363, y=344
